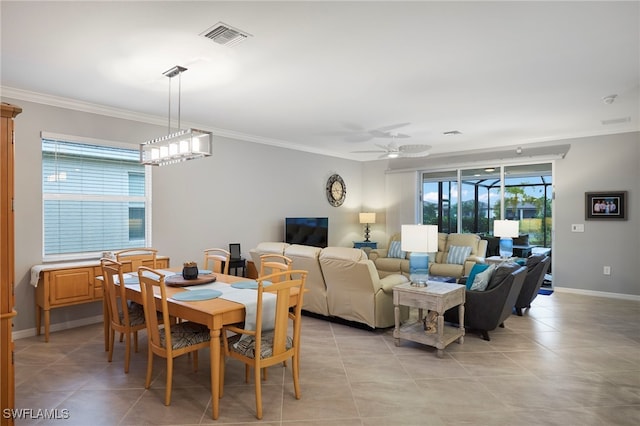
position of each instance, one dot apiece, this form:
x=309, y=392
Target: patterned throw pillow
x=458, y=254
x=396, y=251
x=481, y=281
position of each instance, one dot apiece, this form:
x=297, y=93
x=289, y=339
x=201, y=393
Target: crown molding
x=82, y=106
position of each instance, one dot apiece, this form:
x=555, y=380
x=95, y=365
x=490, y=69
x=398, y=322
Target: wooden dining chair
x=172, y=340
x=272, y=263
x=261, y=347
x=125, y=316
x=136, y=257
x=218, y=258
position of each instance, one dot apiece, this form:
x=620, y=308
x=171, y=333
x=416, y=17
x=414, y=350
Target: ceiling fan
x=357, y=133
x=392, y=150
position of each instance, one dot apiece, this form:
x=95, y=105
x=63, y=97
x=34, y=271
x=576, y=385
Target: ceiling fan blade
x=400, y=135
x=368, y=152
x=414, y=149
x=386, y=148
x=358, y=137
x=380, y=134
x=386, y=129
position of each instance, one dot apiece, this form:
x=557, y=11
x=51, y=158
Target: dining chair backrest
x=273, y=263
x=218, y=258
x=173, y=339
x=124, y=316
x=137, y=257
x=113, y=293
x=150, y=280
x=260, y=348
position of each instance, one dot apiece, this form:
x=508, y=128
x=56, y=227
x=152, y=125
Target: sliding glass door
x=469, y=200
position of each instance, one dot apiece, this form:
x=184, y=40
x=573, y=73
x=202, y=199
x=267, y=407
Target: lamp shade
x=367, y=218
x=419, y=238
x=180, y=146
x=506, y=228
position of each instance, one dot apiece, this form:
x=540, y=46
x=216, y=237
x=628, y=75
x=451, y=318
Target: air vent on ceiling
x=225, y=34
x=616, y=121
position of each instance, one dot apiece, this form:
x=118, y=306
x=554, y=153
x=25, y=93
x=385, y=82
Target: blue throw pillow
x=458, y=254
x=477, y=268
x=481, y=281
x=396, y=251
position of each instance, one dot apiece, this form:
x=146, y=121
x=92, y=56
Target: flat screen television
x=309, y=231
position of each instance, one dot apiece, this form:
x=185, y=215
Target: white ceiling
x=317, y=75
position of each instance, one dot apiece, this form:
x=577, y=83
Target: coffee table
x=438, y=297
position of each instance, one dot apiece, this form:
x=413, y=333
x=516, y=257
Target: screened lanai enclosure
x=469, y=200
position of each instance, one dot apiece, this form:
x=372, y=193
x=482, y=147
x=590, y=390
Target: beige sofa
x=438, y=262
x=442, y=267
x=342, y=283
x=389, y=265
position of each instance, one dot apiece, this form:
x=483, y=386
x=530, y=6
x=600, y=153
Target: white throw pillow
x=481, y=281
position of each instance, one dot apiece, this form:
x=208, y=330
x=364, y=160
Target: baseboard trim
x=30, y=332
x=597, y=293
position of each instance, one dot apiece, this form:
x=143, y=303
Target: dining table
x=214, y=313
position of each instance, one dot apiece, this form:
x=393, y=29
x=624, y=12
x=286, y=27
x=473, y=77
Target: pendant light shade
x=178, y=146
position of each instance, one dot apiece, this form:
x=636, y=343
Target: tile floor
x=570, y=360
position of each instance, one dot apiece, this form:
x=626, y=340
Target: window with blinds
x=94, y=199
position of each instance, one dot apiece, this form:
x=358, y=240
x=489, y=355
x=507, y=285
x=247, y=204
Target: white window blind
x=94, y=199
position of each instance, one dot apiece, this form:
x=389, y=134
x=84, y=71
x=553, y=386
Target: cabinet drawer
x=71, y=285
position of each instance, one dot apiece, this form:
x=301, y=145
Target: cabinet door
x=71, y=286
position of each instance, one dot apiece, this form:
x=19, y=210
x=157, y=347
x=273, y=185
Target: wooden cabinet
x=68, y=284
x=7, y=272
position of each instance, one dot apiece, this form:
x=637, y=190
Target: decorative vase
x=190, y=272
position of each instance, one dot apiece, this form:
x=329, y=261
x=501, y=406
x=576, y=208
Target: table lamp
x=366, y=219
x=506, y=230
x=419, y=240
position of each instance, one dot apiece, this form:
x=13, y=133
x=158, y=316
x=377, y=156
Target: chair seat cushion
x=246, y=345
x=136, y=314
x=186, y=334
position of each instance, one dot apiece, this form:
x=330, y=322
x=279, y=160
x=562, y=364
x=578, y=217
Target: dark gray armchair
x=486, y=310
x=537, y=267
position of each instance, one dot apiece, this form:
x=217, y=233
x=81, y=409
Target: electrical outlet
x=577, y=227
x=606, y=270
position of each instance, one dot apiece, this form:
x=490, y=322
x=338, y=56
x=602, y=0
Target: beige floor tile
x=569, y=360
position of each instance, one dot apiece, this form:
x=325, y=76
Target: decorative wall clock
x=336, y=190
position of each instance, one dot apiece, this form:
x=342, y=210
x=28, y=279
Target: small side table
x=496, y=260
x=437, y=296
x=365, y=244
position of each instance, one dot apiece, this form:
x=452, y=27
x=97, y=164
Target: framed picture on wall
x=606, y=205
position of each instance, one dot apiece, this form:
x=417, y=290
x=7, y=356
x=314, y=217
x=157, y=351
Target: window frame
x=146, y=199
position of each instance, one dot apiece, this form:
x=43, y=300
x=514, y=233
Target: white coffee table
x=436, y=296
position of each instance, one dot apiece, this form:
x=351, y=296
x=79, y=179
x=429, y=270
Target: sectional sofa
x=342, y=283
x=442, y=263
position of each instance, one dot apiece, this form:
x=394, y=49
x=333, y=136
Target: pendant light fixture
x=181, y=145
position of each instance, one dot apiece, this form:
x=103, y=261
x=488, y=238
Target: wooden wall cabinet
x=7, y=271
x=69, y=284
